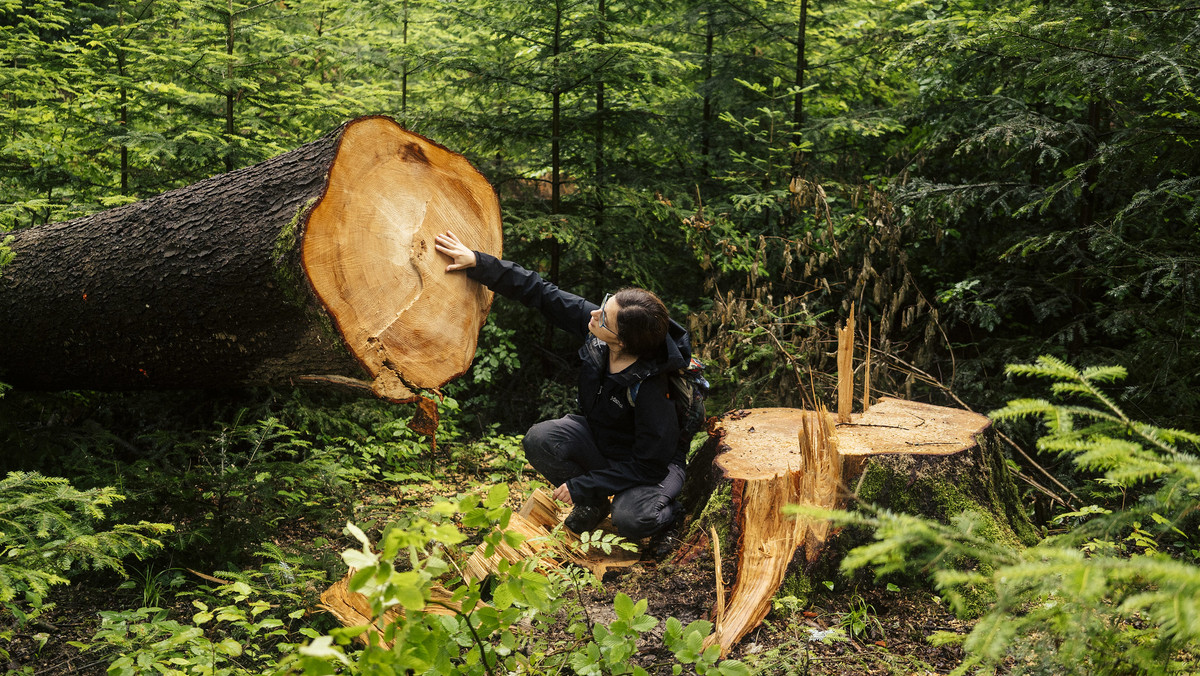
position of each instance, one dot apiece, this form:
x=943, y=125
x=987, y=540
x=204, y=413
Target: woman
x=624, y=444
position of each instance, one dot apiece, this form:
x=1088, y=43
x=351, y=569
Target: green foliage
x=1054, y=170
x=1117, y=593
x=605, y=542
x=985, y=181
x=47, y=531
x=109, y=102
x=6, y=254
x=860, y=620
x=511, y=632
x=245, y=478
x=241, y=636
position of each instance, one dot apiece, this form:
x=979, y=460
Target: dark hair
x=642, y=320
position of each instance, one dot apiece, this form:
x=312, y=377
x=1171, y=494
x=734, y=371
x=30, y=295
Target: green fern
x=1119, y=592
x=47, y=532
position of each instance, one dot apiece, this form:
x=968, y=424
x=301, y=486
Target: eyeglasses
x=604, y=315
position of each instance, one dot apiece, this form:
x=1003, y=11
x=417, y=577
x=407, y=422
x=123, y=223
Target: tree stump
x=906, y=456
x=315, y=265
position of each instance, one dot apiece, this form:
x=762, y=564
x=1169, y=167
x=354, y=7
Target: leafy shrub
x=512, y=633
x=238, y=637
x=241, y=624
x=47, y=531
x=233, y=485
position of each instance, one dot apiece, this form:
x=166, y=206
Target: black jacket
x=639, y=440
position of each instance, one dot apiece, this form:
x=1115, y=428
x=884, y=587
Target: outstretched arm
x=566, y=310
x=461, y=257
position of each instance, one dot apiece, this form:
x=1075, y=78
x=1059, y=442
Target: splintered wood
x=800, y=466
x=866, y=402
x=535, y=521
x=773, y=457
x=821, y=476
x=353, y=610
x=845, y=369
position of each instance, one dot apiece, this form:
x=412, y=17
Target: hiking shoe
x=586, y=516
x=666, y=541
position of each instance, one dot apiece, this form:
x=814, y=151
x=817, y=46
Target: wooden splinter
x=845, y=369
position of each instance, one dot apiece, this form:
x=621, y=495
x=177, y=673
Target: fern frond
x=1165, y=438
x=47, y=530
x=1045, y=366
x=1104, y=374
x=990, y=638
x=1054, y=418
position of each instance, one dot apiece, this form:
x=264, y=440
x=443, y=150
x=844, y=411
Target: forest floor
x=892, y=639
x=875, y=630
x=893, y=643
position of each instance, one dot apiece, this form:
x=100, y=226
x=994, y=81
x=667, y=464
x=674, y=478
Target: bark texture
x=317, y=264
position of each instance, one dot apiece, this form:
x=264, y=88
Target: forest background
x=981, y=183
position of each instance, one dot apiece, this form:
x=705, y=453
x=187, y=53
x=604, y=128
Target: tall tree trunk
x=404, y=71
x=707, y=115
x=798, y=104
x=602, y=19
x=317, y=264
x=229, y=93
x=123, y=111
x=555, y=143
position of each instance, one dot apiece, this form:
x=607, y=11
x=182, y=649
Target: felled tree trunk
x=910, y=457
x=315, y=265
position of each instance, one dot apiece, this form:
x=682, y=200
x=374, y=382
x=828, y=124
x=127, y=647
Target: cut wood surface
x=767, y=458
x=899, y=426
x=315, y=265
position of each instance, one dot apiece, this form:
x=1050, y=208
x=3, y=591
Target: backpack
x=687, y=389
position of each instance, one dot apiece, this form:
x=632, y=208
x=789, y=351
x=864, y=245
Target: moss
x=797, y=585
x=987, y=491
x=285, y=253
x=717, y=513
x=943, y=496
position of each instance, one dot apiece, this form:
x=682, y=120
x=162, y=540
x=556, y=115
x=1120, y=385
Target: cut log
x=908, y=456
x=315, y=265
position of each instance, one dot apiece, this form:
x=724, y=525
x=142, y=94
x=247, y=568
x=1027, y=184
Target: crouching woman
x=621, y=452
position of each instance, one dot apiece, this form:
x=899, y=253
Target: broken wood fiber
x=764, y=459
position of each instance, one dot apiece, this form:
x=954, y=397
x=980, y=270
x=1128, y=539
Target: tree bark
x=906, y=456
x=315, y=265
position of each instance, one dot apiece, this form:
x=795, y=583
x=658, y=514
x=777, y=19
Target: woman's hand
x=461, y=257
x=563, y=494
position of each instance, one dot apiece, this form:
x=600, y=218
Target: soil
x=895, y=642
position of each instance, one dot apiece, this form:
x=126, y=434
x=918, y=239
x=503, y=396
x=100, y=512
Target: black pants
x=563, y=449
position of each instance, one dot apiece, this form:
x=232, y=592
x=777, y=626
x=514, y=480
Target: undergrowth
x=1118, y=591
